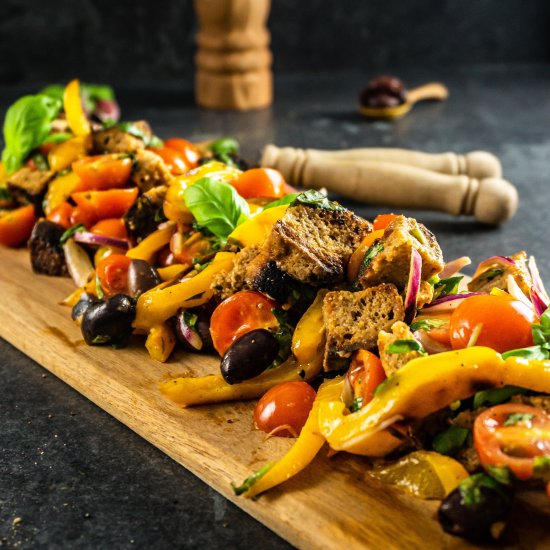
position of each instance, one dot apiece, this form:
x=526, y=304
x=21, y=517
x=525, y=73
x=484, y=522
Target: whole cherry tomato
x=239, y=314
x=283, y=410
x=260, y=182
x=186, y=149
x=512, y=435
x=502, y=323
x=16, y=225
x=112, y=272
x=111, y=227
x=103, y=171
x=365, y=374
x=62, y=214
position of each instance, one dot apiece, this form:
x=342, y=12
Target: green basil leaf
x=495, y=396
x=446, y=287
x=518, y=418
x=316, y=200
x=225, y=146
x=427, y=324
x=532, y=352
x=216, y=205
x=287, y=199
x=490, y=274
x=406, y=346
x=58, y=137
x=54, y=91
x=371, y=253
x=470, y=489
x=251, y=480
x=26, y=126
x=450, y=440
x=501, y=473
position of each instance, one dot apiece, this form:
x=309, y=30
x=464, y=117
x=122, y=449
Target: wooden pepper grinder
x=233, y=58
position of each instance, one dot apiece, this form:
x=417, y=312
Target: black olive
x=480, y=519
x=109, y=322
x=383, y=91
x=192, y=328
x=141, y=277
x=82, y=305
x=249, y=356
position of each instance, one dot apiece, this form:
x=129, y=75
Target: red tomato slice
x=103, y=171
x=239, y=314
x=112, y=273
x=512, y=435
x=111, y=227
x=98, y=205
x=186, y=149
x=260, y=182
x=283, y=410
x=505, y=323
x=365, y=374
x=16, y=225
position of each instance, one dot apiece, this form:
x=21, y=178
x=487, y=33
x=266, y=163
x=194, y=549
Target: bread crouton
x=496, y=275
x=226, y=284
x=116, y=140
x=313, y=245
x=149, y=171
x=391, y=264
x=391, y=361
x=354, y=319
x=26, y=185
x=146, y=213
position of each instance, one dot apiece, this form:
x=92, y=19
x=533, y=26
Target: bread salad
x=352, y=335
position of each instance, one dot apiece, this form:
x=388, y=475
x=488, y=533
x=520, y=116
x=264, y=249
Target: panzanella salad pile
x=349, y=333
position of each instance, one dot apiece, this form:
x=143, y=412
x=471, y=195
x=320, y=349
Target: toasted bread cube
x=115, y=140
x=27, y=185
x=150, y=171
x=392, y=362
x=226, y=284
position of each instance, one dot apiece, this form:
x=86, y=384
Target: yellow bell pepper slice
x=72, y=104
x=64, y=154
x=172, y=271
x=162, y=302
x=423, y=386
x=308, y=343
x=257, y=228
x=160, y=342
x=154, y=242
x=303, y=451
x=174, y=204
x=59, y=191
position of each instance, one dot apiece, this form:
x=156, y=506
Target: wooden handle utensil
x=490, y=200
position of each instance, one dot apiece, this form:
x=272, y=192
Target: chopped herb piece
x=356, y=405
x=450, y=440
x=491, y=274
x=406, y=346
x=190, y=319
x=70, y=232
x=470, y=489
x=372, y=252
x=501, y=473
x=251, y=480
x=427, y=324
x=446, y=287
x=495, y=396
x=418, y=235
x=99, y=288
x=531, y=352
x=316, y=200
x=518, y=418
x=287, y=199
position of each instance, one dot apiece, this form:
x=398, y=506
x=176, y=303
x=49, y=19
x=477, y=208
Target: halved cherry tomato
x=112, y=273
x=186, y=149
x=356, y=259
x=365, y=374
x=16, y=225
x=283, y=410
x=174, y=160
x=111, y=227
x=512, y=435
x=83, y=215
x=260, y=182
x=62, y=214
x=505, y=323
x=98, y=205
x=239, y=314
x=383, y=220
x=103, y=171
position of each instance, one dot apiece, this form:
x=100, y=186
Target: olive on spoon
x=386, y=97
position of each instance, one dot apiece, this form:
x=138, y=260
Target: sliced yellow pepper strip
x=170, y=272
x=64, y=154
x=160, y=342
x=305, y=448
x=162, y=302
x=154, y=242
x=72, y=104
x=257, y=228
x=421, y=387
x=59, y=190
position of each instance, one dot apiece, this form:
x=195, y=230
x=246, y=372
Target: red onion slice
x=413, y=285
x=539, y=303
x=102, y=240
x=485, y=264
x=79, y=264
x=454, y=266
x=536, y=278
x=448, y=303
x=516, y=292
x=107, y=109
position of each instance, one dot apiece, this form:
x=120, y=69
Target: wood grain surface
x=332, y=504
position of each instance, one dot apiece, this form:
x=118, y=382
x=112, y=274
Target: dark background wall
x=142, y=40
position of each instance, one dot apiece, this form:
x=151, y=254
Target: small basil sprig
x=26, y=127
x=450, y=440
x=287, y=199
x=406, y=345
x=216, y=206
x=446, y=287
x=317, y=200
x=225, y=149
x=427, y=324
x=541, y=338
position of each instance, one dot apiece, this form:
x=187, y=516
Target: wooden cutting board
x=332, y=504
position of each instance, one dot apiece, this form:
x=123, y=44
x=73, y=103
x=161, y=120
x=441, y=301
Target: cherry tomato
x=365, y=374
x=260, y=182
x=16, y=225
x=239, y=314
x=186, y=149
x=383, y=220
x=103, y=171
x=173, y=159
x=512, y=435
x=62, y=214
x=505, y=323
x=98, y=205
x=112, y=272
x=356, y=259
x=83, y=215
x=111, y=227
x=193, y=247
x=283, y=410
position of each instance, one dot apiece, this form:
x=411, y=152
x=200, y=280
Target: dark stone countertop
x=78, y=478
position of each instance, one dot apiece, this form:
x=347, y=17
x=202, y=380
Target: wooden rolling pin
x=490, y=200
x=477, y=164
